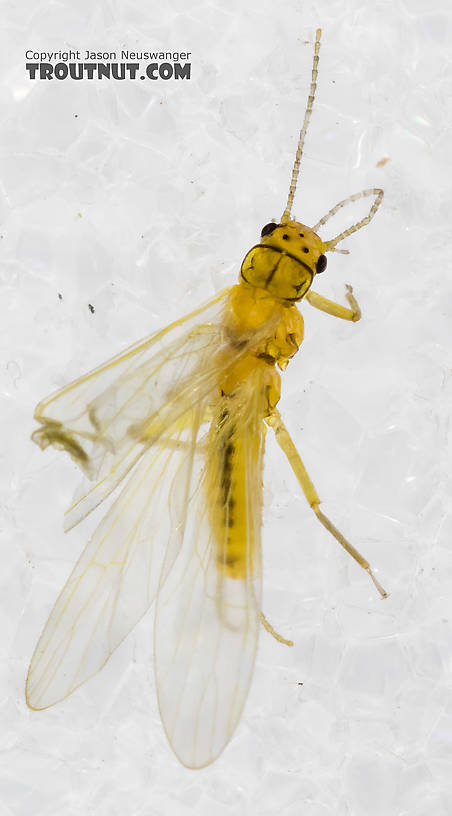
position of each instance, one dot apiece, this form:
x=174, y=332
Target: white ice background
x=141, y=199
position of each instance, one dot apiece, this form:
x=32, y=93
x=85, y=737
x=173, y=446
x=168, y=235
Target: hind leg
x=285, y=442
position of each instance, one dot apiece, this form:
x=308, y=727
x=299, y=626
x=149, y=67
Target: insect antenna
x=301, y=138
x=329, y=246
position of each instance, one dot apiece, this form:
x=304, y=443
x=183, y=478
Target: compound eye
x=268, y=229
x=321, y=264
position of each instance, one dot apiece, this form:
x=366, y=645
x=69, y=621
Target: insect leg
x=267, y=625
x=336, y=309
x=285, y=442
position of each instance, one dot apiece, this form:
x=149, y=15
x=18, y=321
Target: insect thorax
x=272, y=330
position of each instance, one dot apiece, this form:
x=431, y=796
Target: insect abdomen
x=233, y=510
x=234, y=478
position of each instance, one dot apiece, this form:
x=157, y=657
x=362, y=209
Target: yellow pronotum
x=173, y=429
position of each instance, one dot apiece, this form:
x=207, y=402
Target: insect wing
x=207, y=622
x=116, y=577
x=106, y=418
x=140, y=417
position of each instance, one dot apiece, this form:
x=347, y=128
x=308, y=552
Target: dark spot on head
x=321, y=264
x=268, y=229
x=285, y=237
x=301, y=234
x=305, y=249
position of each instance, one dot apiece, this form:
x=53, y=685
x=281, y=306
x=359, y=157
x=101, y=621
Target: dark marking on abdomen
x=227, y=452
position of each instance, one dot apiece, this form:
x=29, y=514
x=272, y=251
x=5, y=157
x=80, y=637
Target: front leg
x=335, y=309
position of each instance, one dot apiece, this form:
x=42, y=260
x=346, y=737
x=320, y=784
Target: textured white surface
x=141, y=199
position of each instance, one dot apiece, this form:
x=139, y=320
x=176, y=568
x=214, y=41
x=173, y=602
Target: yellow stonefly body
x=275, y=274
x=173, y=431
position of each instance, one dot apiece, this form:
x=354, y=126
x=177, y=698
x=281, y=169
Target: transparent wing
x=140, y=418
x=107, y=418
x=139, y=406
x=116, y=577
x=208, y=612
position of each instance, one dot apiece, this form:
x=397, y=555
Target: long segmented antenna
x=330, y=245
x=307, y=116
